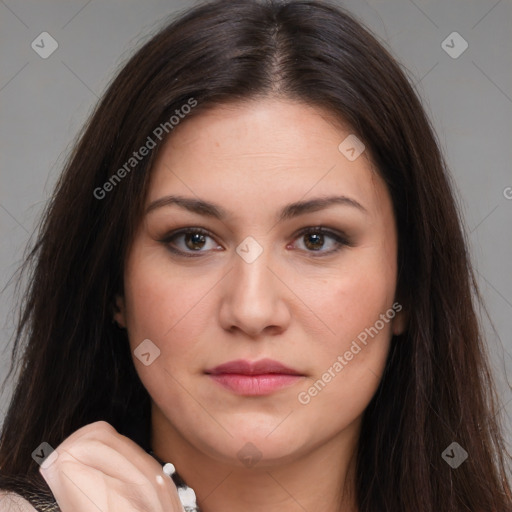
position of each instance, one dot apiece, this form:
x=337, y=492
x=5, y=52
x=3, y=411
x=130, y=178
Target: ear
x=119, y=311
x=400, y=320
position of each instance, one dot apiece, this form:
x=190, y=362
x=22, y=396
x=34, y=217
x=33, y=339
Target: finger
x=145, y=479
x=103, y=431
x=77, y=486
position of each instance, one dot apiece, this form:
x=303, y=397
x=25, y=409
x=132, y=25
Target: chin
x=259, y=449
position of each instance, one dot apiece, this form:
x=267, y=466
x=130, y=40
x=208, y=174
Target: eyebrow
x=291, y=210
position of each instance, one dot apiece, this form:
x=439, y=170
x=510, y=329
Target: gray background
x=44, y=102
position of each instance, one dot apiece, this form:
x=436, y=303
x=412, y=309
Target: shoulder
x=12, y=502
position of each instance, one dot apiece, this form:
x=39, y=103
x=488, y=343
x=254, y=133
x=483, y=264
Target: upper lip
x=244, y=367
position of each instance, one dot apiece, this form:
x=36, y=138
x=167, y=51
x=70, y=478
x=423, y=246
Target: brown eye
x=186, y=242
x=314, y=241
x=192, y=240
x=318, y=238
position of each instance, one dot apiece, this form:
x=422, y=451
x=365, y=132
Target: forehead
x=259, y=152
x=262, y=129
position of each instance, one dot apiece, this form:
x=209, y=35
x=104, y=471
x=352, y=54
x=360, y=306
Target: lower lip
x=253, y=385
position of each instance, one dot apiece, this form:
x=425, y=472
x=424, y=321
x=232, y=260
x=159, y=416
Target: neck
x=320, y=479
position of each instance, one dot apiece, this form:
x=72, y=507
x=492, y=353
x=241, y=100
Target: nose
x=254, y=299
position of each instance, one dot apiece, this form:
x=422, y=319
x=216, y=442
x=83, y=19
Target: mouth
x=247, y=378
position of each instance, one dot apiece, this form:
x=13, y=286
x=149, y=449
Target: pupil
x=195, y=239
x=318, y=237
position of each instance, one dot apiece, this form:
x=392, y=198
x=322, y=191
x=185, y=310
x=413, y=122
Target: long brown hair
x=75, y=366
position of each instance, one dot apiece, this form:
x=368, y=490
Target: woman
x=253, y=268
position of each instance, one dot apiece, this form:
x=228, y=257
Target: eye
x=314, y=240
x=193, y=240
x=187, y=241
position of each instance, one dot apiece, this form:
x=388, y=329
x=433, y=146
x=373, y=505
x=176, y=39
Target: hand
x=99, y=469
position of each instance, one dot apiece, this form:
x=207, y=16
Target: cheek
x=351, y=297
x=358, y=311
x=357, y=307
x=169, y=308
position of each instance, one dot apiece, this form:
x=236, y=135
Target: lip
x=254, y=378
x=261, y=367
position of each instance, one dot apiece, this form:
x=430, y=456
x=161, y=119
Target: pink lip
x=244, y=367
x=257, y=378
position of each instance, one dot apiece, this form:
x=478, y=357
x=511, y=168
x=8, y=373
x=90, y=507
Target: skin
x=293, y=304
x=96, y=468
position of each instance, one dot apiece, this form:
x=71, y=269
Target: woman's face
x=256, y=286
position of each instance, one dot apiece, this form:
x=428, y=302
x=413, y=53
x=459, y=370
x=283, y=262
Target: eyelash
x=341, y=240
